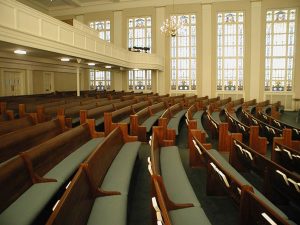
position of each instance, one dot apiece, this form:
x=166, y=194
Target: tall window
x=100, y=80
x=183, y=55
x=139, y=32
x=230, y=51
x=103, y=27
x=280, y=49
x=139, y=80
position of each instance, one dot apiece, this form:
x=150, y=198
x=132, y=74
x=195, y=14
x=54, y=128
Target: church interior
x=138, y=112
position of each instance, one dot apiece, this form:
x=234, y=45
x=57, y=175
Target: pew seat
x=189, y=216
x=63, y=170
x=45, y=169
x=98, y=193
x=30, y=204
x=109, y=210
x=119, y=179
x=159, y=113
x=149, y=122
x=198, y=117
x=175, y=179
x=175, y=120
x=216, y=117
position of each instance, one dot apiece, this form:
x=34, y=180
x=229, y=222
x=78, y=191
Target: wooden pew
x=275, y=122
x=171, y=118
x=223, y=178
x=287, y=157
x=279, y=184
x=74, y=112
x=20, y=140
x=35, y=179
x=142, y=121
x=250, y=134
x=122, y=115
x=16, y=124
x=249, y=105
x=168, y=213
x=95, y=191
x=165, y=162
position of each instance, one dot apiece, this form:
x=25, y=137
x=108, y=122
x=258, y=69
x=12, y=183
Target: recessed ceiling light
x=65, y=59
x=107, y=67
x=91, y=64
x=135, y=69
x=20, y=52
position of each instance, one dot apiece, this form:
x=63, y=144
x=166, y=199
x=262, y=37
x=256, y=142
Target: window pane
x=183, y=54
x=230, y=51
x=280, y=42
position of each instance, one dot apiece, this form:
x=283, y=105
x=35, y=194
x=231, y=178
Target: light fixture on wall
x=91, y=64
x=20, y=52
x=171, y=26
x=108, y=67
x=65, y=59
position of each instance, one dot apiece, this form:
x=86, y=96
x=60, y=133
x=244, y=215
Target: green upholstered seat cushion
x=64, y=169
x=240, y=178
x=189, y=216
x=198, y=114
x=175, y=179
x=174, y=123
x=127, y=120
x=30, y=204
x=215, y=116
x=149, y=122
x=159, y=113
x=200, y=127
x=109, y=210
x=119, y=174
x=99, y=121
x=180, y=114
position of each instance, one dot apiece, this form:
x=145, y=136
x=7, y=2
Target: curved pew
x=142, y=122
x=20, y=140
x=172, y=187
x=279, y=184
x=250, y=133
x=98, y=193
x=171, y=118
x=16, y=124
x=122, y=115
x=287, y=157
x=275, y=122
x=265, y=129
x=223, y=178
x=34, y=179
x=74, y=112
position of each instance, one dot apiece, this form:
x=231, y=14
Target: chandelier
x=171, y=26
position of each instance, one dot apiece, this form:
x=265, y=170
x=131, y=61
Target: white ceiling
x=78, y=7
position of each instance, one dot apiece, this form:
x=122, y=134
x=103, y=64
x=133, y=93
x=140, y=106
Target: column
x=29, y=82
x=206, y=50
x=118, y=34
x=117, y=80
x=160, y=50
x=78, y=80
x=255, y=64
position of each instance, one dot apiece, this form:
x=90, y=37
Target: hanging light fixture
x=172, y=25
